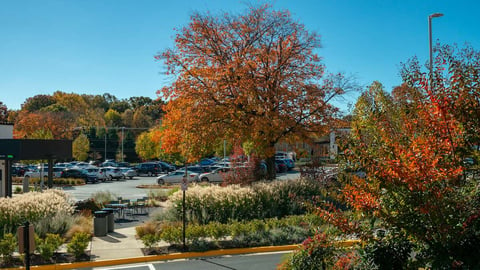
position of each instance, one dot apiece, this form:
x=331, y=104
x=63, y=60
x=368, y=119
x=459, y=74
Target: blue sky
x=107, y=46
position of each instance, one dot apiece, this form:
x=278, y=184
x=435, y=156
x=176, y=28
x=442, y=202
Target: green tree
x=38, y=102
x=81, y=147
x=113, y=118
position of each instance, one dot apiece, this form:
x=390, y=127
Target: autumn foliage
x=249, y=77
x=417, y=149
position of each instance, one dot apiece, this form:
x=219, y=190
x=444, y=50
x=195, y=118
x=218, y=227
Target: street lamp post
x=434, y=15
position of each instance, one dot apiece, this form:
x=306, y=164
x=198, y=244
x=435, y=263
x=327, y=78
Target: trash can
x=110, y=219
x=100, y=223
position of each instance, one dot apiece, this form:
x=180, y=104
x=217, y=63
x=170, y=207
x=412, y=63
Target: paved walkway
x=119, y=244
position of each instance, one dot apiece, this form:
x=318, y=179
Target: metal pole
x=184, y=214
x=26, y=244
x=123, y=128
x=224, y=150
x=105, y=157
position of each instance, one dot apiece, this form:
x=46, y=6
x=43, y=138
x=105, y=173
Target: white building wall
x=6, y=131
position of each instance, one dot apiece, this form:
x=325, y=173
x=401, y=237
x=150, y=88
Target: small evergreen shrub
x=78, y=244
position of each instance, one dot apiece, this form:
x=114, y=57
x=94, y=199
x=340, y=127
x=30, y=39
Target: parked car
x=217, y=175
x=177, y=177
x=97, y=173
x=112, y=173
x=18, y=170
x=148, y=168
x=78, y=173
x=196, y=169
x=36, y=173
x=128, y=173
x=108, y=163
x=123, y=164
x=290, y=164
x=281, y=166
x=166, y=167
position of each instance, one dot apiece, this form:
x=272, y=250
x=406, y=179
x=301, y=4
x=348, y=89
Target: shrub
x=391, y=252
x=171, y=232
x=17, y=190
x=47, y=247
x=147, y=228
x=102, y=198
x=78, y=244
x=81, y=224
x=316, y=253
x=7, y=246
x=89, y=204
x=60, y=223
x=149, y=240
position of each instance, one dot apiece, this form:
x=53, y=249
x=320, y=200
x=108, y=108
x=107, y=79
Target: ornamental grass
x=32, y=207
x=235, y=202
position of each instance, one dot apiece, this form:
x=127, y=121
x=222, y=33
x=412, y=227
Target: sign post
x=26, y=242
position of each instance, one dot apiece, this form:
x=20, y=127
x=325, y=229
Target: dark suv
x=148, y=168
x=78, y=173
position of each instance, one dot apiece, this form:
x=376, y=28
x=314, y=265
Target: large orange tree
x=251, y=77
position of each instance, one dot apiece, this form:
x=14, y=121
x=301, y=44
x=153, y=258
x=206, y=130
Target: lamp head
x=436, y=15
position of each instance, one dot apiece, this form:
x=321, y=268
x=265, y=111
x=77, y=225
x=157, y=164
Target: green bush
x=47, y=247
x=316, y=253
x=7, y=246
x=78, y=244
x=247, y=233
x=150, y=240
x=171, y=233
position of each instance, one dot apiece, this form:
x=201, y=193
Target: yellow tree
x=81, y=147
x=248, y=77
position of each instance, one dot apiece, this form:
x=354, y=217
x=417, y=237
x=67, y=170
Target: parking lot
x=129, y=189
x=122, y=188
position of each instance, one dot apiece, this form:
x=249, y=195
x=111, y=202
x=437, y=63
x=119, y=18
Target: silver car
x=128, y=173
x=177, y=177
x=217, y=175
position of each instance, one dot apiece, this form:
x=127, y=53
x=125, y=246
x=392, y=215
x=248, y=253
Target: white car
x=217, y=175
x=97, y=173
x=112, y=173
x=57, y=171
x=177, y=177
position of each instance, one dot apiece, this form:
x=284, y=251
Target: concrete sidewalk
x=119, y=244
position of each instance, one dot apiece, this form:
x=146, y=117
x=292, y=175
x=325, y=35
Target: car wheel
x=160, y=181
x=205, y=179
x=110, y=178
x=149, y=173
x=131, y=177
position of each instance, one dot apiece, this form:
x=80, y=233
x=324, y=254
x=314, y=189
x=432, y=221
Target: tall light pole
x=434, y=15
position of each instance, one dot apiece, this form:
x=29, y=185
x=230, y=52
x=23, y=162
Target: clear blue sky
x=107, y=46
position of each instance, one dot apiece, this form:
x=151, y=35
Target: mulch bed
x=36, y=259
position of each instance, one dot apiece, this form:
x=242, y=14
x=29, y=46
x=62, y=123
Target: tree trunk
x=271, y=172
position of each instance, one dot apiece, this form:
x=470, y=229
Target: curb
x=173, y=256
